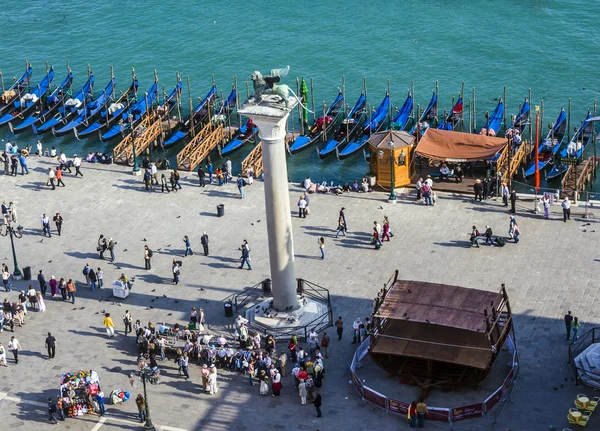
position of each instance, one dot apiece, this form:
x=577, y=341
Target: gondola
x=26, y=104
x=402, y=117
x=428, y=116
x=131, y=118
x=243, y=134
x=67, y=110
x=522, y=120
x=89, y=111
x=348, y=129
x=14, y=92
x=372, y=126
x=453, y=116
x=322, y=127
x=550, y=146
x=111, y=113
x=575, y=149
x=198, y=118
x=493, y=123
x=52, y=103
x=134, y=114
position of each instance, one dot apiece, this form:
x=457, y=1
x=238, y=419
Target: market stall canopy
x=383, y=139
x=458, y=147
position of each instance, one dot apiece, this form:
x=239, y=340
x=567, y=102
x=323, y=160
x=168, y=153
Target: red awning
x=458, y=147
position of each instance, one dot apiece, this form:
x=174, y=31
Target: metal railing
x=575, y=349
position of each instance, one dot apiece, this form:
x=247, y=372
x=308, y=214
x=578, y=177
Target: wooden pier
x=577, y=176
x=504, y=169
x=200, y=147
x=144, y=134
x=254, y=160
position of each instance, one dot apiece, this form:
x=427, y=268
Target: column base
x=136, y=173
x=392, y=200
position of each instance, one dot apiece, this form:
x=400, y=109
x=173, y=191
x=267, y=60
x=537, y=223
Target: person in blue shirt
x=188, y=246
x=23, y=162
x=240, y=184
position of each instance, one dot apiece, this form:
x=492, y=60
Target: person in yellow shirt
x=110, y=326
x=421, y=412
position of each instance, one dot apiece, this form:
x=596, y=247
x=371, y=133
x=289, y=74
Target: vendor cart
x=120, y=289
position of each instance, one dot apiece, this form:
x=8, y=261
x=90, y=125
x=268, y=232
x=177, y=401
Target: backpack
x=85, y=271
x=150, y=253
x=500, y=242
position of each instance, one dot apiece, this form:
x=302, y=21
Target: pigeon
x=49, y=261
x=151, y=307
x=427, y=320
x=97, y=312
x=103, y=311
x=405, y=314
x=251, y=224
x=118, y=267
x=206, y=300
x=158, y=297
x=164, y=296
x=566, y=380
x=555, y=388
x=152, y=300
x=41, y=240
x=169, y=245
x=158, y=249
x=176, y=302
x=125, y=250
x=178, y=217
x=148, y=308
x=74, y=308
x=153, y=290
x=258, y=221
x=201, y=289
x=119, y=304
x=583, y=230
x=170, y=314
x=562, y=385
x=379, y=207
x=144, y=240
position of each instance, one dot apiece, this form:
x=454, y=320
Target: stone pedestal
x=270, y=116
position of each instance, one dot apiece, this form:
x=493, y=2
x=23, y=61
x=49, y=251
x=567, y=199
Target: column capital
x=270, y=116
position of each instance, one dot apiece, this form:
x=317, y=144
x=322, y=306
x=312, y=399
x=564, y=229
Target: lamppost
x=18, y=233
x=392, y=160
x=144, y=372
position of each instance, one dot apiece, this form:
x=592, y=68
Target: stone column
x=271, y=119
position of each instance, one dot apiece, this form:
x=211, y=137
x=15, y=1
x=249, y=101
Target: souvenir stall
x=120, y=289
x=77, y=391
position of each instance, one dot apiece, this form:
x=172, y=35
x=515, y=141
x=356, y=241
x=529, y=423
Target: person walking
x=245, y=257
x=240, y=185
x=154, y=173
x=46, y=226
x=52, y=409
x=356, y=330
x=109, y=325
x=575, y=328
x=163, y=184
x=58, y=221
x=188, y=246
x=147, y=257
x=322, y=247
x=51, y=345
x=3, y=355
x=412, y=414
x=141, y=405
x=386, y=229
x=421, y=412
x=209, y=170
x=505, y=194
x=568, y=322
x=93, y=279
x=343, y=216
x=183, y=365
x=12, y=212
x=317, y=404
x=341, y=227
x=100, y=277
x=302, y=392
x=176, y=178
x=6, y=279
x=148, y=180
x=14, y=347
x=42, y=282
x=325, y=340
x=77, y=165
x=302, y=207
x=127, y=319
x=23, y=163
x=99, y=397
x=71, y=290
x=204, y=242
x=201, y=176
x=339, y=327
x=58, y=174
x=566, y=207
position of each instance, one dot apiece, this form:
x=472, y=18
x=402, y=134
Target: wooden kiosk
x=392, y=150
x=436, y=335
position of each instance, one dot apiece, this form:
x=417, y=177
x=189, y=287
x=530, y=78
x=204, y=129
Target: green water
x=548, y=46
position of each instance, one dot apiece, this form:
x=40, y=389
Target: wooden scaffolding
x=254, y=160
x=200, y=147
x=144, y=134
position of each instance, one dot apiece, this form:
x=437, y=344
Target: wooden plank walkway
x=577, y=176
x=145, y=133
x=200, y=147
x=254, y=160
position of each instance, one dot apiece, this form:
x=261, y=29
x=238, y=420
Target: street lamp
x=18, y=233
x=392, y=161
x=144, y=371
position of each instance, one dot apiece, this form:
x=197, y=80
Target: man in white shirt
x=8, y=147
x=302, y=207
x=153, y=172
x=39, y=148
x=3, y=355
x=77, y=164
x=429, y=181
x=228, y=165
x=14, y=346
x=46, y=225
x=307, y=183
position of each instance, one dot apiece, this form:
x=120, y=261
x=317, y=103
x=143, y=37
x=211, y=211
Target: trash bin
x=27, y=273
x=266, y=286
x=220, y=210
x=228, y=309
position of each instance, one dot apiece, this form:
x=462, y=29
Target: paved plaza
x=554, y=268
